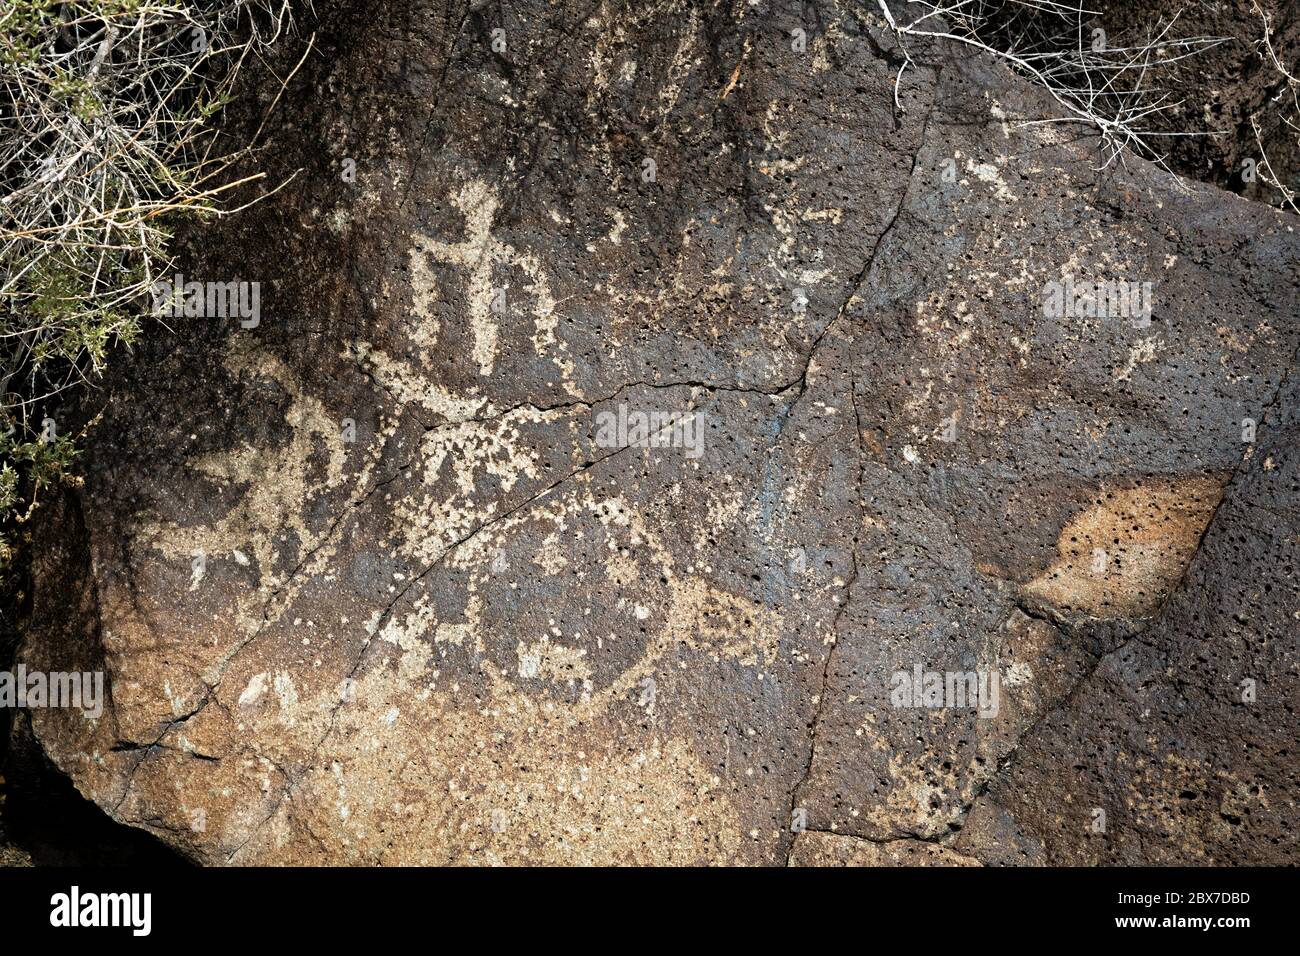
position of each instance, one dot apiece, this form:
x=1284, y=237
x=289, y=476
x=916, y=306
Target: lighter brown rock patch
x=1123, y=555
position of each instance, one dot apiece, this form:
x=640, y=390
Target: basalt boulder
x=383, y=574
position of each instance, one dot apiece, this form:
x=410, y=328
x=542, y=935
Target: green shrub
x=107, y=111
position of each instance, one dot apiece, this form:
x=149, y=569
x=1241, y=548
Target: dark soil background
x=44, y=821
x=1222, y=87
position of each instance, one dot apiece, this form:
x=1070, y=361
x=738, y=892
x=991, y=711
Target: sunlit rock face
x=649, y=427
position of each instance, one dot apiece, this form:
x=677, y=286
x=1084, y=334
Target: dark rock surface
x=477, y=633
x=1186, y=735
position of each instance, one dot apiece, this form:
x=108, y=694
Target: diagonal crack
x=802, y=383
x=847, y=592
x=386, y=614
